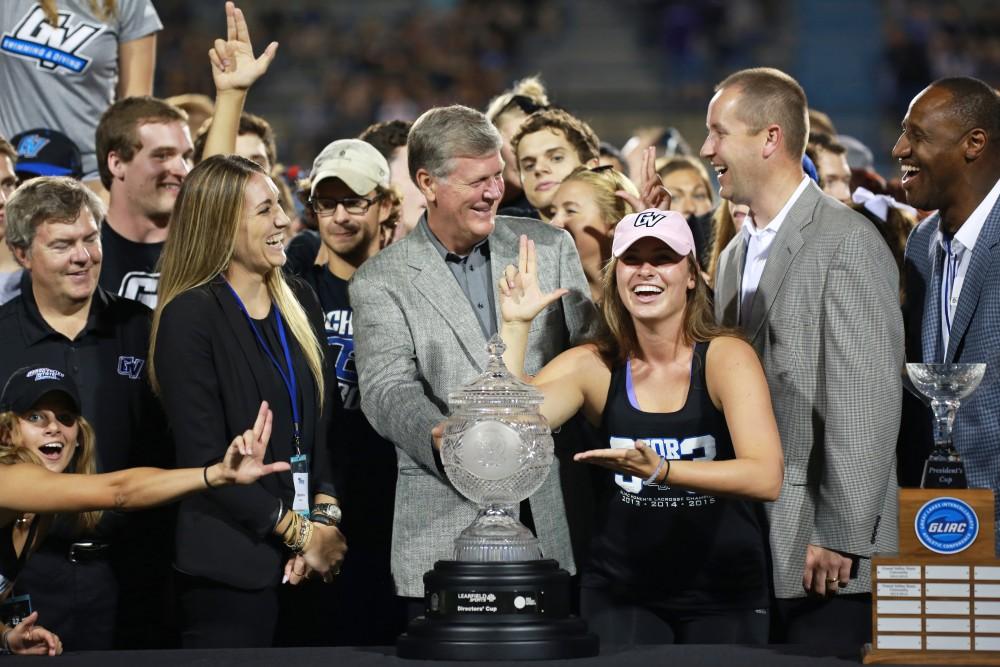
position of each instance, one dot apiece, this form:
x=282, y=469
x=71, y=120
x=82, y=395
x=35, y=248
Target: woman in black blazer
x=225, y=328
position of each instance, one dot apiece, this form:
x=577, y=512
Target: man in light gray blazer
x=814, y=287
x=424, y=309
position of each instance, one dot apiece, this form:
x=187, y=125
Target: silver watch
x=328, y=514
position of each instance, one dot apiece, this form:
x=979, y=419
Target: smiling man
x=950, y=159
x=424, y=309
x=814, y=288
x=63, y=319
x=144, y=153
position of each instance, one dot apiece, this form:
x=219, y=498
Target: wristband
x=204, y=475
x=656, y=473
x=5, y=642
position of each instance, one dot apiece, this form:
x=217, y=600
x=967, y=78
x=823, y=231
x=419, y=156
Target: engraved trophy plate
x=490, y=450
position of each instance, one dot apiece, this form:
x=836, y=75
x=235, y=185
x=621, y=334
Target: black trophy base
x=497, y=611
x=943, y=474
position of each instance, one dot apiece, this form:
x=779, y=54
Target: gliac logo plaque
x=946, y=525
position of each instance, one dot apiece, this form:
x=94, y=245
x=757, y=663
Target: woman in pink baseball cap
x=679, y=549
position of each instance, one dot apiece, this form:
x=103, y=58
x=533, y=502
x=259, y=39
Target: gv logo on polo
x=130, y=367
x=946, y=525
x=648, y=219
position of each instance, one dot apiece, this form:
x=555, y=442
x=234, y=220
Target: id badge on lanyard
x=300, y=478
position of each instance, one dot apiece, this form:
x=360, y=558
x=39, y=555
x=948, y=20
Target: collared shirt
x=957, y=256
x=475, y=277
x=107, y=360
x=758, y=242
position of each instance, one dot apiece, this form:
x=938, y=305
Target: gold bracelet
x=291, y=531
x=307, y=536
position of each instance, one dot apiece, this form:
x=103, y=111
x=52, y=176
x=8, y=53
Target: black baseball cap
x=45, y=152
x=27, y=385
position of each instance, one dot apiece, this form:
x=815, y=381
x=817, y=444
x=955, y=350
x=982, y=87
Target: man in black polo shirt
x=63, y=319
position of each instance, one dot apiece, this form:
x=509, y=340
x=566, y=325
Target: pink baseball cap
x=668, y=226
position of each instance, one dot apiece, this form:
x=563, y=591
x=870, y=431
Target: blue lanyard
x=289, y=379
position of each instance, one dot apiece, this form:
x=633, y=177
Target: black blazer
x=213, y=375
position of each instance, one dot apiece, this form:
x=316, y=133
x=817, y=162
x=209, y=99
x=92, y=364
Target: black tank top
x=10, y=563
x=670, y=547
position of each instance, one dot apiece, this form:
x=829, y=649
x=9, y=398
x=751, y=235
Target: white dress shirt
x=758, y=242
x=957, y=255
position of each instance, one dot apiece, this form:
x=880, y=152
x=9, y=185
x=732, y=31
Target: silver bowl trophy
x=499, y=599
x=945, y=385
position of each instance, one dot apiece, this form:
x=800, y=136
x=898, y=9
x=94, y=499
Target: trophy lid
x=496, y=385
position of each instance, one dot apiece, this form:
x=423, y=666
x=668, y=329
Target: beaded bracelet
x=656, y=473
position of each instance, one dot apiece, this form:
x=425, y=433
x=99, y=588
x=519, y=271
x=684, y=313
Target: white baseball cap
x=357, y=163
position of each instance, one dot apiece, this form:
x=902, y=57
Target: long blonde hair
x=104, y=11
x=84, y=459
x=202, y=240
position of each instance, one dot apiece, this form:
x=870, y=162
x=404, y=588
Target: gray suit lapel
x=437, y=284
x=727, y=292
x=786, y=244
x=503, y=251
x=984, y=255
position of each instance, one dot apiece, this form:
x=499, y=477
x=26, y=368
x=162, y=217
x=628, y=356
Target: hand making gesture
x=652, y=193
x=233, y=64
x=244, y=460
x=521, y=298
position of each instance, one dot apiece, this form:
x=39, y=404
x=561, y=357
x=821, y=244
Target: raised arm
x=565, y=381
x=27, y=487
x=234, y=70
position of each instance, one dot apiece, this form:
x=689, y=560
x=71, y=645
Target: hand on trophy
x=521, y=298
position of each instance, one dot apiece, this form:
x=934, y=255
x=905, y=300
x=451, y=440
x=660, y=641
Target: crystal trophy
x=945, y=385
x=499, y=599
x=497, y=451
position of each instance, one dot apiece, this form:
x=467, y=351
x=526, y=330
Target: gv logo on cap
x=648, y=219
x=31, y=145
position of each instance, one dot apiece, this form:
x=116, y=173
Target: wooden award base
x=934, y=608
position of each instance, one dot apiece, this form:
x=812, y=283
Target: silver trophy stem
x=944, y=420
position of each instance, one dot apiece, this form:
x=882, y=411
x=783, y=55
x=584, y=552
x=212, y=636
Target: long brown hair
x=617, y=341
x=84, y=459
x=104, y=11
x=202, y=240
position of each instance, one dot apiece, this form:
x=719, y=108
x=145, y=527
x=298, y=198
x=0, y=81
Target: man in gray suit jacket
x=424, y=309
x=814, y=287
x=950, y=155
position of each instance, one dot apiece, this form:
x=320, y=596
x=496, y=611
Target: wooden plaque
x=932, y=608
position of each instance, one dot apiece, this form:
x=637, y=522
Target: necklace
x=23, y=520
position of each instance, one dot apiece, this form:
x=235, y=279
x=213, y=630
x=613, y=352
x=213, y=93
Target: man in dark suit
x=949, y=152
x=814, y=288
x=424, y=309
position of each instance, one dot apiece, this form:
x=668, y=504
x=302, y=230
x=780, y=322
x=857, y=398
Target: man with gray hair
x=424, y=309
x=63, y=319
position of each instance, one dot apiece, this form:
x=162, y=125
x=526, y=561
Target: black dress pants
x=214, y=615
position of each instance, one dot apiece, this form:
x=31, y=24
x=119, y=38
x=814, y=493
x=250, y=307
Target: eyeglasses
x=327, y=206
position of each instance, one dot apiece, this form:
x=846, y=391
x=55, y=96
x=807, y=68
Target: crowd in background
x=192, y=274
